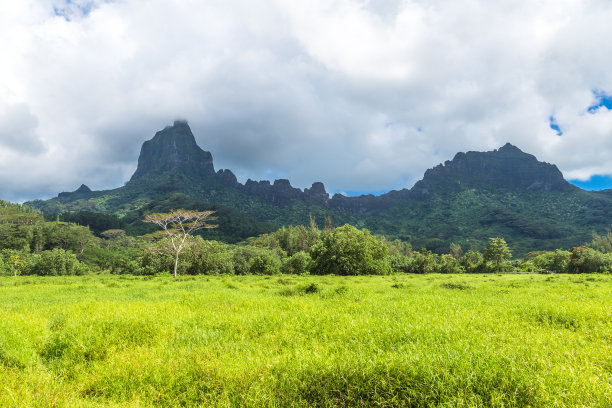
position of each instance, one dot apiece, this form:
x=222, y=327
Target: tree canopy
x=177, y=226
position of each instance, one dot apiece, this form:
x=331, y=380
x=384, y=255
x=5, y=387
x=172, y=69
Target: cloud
x=363, y=95
x=18, y=129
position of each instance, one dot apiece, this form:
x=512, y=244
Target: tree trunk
x=175, y=265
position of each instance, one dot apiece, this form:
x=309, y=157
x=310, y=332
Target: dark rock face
x=81, y=190
x=507, y=168
x=361, y=204
x=173, y=147
x=316, y=193
x=281, y=192
x=228, y=178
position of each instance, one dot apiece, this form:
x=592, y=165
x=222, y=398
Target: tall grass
x=394, y=341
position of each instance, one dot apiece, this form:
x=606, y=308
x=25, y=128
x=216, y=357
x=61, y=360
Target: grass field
x=255, y=341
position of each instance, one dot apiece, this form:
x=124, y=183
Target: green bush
x=448, y=264
x=349, y=251
x=423, y=262
x=298, y=263
x=242, y=258
x=607, y=266
x=526, y=266
x=472, y=262
x=63, y=235
x=267, y=263
x=111, y=259
x=587, y=260
x=150, y=263
x=5, y=269
x=401, y=263
x=557, y=261
x=54, y=262
x=208, y=257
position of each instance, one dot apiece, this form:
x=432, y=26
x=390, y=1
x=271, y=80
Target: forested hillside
x=467, y=200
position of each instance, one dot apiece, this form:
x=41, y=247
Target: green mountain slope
x=467, y=200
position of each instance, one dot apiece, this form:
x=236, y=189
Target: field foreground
x=257, y=341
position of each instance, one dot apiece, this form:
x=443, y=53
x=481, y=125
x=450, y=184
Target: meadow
x=432, y=340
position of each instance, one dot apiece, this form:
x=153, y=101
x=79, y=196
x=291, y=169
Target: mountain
x=173, y=147
x=474, y=196
x=507, y=168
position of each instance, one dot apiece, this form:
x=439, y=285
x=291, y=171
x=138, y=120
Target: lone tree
x=497, y=251
x=17, y=262
x=178, y=226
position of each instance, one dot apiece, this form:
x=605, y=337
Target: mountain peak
x=81, y=190
x=510, y=148
x=173, y=147
x=507, y=168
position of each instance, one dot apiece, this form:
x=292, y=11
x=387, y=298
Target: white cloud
x=18, y=129
x=359, y=94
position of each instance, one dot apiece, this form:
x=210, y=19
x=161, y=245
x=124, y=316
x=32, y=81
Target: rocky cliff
x=173, y=147
x=505, y=168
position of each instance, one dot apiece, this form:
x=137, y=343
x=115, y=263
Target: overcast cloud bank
x=361, y=95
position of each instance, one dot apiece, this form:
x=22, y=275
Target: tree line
x=31, y=245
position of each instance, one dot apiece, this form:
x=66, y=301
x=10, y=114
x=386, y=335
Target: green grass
x=404, y=341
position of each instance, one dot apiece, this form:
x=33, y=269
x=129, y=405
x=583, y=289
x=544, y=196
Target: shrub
x=557, y=261
x=266, y=263
x=400, y=263
x=4, y=268
x=312, y=288
x=149, y=264
x=54, y=262
x=208, y=257
x=349, y=251
x=448, y=264
x=242, y=258
x=586, y=260
x=308, y=289
x=298, y=263
x=422, y=262
x=472, y=262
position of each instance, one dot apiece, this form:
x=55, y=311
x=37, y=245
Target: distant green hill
x=467, y=200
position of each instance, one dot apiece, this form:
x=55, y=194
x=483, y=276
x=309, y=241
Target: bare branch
x=178, y=225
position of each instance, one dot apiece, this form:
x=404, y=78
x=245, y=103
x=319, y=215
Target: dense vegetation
x=528, y=220
x=304, y=341
x=31, y=245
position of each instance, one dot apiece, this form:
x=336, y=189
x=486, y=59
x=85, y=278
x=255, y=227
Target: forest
x=86, y=242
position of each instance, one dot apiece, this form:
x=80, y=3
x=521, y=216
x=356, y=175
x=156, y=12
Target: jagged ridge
x=175, y=148
x=508, y=167
x=504, y=192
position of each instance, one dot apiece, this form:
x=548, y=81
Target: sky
x=363, y=95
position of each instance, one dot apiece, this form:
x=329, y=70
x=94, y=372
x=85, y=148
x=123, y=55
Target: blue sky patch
x=596, y=182
x=356, y=193
x=602, y=99
x=71, y=9
x=554, y=125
